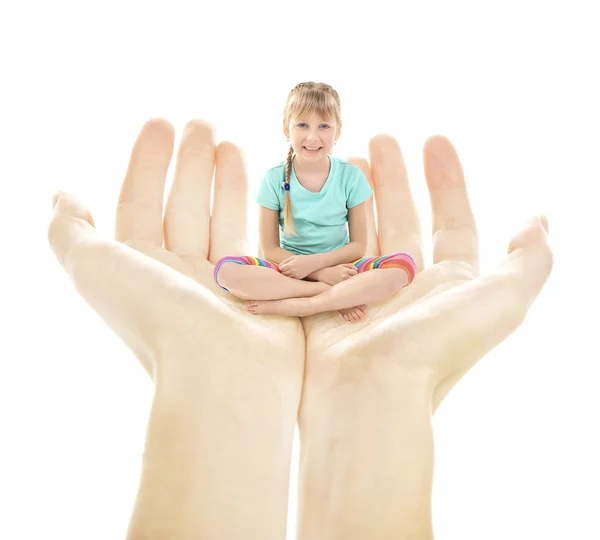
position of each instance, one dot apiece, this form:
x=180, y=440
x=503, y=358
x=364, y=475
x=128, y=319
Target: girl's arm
x=268, y=231
x=355, y=249
x=268, y=221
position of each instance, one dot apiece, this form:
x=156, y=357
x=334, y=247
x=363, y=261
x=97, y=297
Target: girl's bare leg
x=365, y=288
x=262, y=283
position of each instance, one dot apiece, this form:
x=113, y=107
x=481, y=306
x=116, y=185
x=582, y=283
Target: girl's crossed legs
x=272, y=293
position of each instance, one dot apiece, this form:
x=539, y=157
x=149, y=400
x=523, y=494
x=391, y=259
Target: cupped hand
x=449, y=317
x=153, y=284
x=370, y=388
x=227, y=384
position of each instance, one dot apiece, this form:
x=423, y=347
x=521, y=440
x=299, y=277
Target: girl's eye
x=324, y=126
x=301, y=124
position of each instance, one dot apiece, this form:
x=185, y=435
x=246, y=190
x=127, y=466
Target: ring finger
x=398, y=222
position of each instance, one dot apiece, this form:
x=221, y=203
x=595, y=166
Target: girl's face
x=312, y=137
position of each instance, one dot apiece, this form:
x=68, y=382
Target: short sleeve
x=358, y=189
x=267, y=193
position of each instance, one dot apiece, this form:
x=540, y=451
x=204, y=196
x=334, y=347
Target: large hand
x=227, y=383
x=370, y=388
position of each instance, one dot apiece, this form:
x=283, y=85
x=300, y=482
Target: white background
x=514, y=86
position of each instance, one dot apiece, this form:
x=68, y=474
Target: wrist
x=315, y=275
x=320, y=261
x=277, y=255
x=346, y=254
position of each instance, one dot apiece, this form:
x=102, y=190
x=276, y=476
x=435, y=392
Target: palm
x=227, y=384
x=448, y=317
x=213, y=301
x=330, y=328
x=175, y=302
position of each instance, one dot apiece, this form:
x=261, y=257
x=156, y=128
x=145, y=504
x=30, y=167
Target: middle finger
x=187, y=213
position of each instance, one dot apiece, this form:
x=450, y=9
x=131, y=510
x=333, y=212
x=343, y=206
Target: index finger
x=372, y=249
x=228, y=229
x=187, y=212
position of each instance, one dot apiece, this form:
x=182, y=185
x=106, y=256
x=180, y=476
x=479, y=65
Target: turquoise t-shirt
x=320, y=219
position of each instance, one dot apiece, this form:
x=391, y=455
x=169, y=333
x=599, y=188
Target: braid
x=305, y=97
x=288, y=222
x=288, y=165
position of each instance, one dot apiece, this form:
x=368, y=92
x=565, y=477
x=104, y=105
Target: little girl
x=313, y=225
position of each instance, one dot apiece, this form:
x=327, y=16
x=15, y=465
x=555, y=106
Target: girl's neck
x=321, y=166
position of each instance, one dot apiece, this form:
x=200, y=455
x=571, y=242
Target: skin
x=220, y=433
x=312, y=138
x=304, y=275
x=370, y=287
x=218, y=447
x=371, y=388
x=312, y=170
x=312, y=131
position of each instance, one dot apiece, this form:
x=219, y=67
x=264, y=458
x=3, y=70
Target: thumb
x=71, y=222
x=67, y=205
x=535, y=230
x=530, y=258
x=471, y=319
x=144, y=301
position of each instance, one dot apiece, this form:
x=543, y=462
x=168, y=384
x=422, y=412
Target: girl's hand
x=336, y=274
x=298, y=266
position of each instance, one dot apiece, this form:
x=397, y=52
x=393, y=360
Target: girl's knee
x=401, y=262
x=396, y=279
x=229, y=278
x=224, y=274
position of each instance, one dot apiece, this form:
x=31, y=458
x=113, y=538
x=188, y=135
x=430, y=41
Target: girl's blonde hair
x=304, y=99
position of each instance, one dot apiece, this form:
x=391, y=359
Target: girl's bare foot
x=299, y=307
x=288, y=307
x=365, y=288
x=250, y=306
x=354, y=314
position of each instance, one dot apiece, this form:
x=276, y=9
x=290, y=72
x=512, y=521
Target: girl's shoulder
x=275, y=173
x=277, y=167
x=345, y=168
